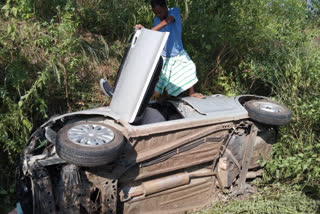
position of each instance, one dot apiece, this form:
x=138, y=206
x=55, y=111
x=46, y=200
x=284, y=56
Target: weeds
x=270, y=199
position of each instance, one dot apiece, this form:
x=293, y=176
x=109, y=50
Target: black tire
x=82, y=154
x=268, y=112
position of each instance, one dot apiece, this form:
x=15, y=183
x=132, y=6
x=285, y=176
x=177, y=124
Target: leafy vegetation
x=270, y=199
x=52, y=55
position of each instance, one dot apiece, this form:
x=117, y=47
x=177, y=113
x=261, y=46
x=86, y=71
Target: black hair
x=158, y=3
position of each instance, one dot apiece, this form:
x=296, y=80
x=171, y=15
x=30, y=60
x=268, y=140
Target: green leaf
x=14, y=11
x=27, y=124
x=5, y=7
x=42, y=143
x=20, y=103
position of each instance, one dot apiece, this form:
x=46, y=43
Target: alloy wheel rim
x=90, y=135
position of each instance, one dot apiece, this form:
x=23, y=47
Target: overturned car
x=137, y=156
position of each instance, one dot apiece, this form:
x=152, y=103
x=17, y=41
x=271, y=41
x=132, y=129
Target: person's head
x=159, y=8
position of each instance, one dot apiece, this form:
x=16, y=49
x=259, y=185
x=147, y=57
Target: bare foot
x=192, y=93
x=197, y=95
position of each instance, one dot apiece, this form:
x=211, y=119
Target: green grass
x=271, y=199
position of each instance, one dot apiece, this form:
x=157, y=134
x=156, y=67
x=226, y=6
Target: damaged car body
x=137, y=156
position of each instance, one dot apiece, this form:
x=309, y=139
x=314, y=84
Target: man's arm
x=159, y=26
x=163, y=23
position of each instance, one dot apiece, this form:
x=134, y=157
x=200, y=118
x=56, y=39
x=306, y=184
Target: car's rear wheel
x=88, y=143
x=268, y=112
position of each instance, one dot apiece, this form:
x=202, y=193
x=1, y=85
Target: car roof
x=136, y=73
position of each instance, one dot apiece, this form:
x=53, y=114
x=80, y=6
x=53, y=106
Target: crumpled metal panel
x=81, y=191
x=42, y=192
x=69, y=190
x=104, y=189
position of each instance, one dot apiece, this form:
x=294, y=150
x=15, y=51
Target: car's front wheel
x=268, y=112
x=88, y=143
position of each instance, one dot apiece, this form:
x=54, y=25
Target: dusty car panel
x=216, y=105
x=137, y=72
x=198, y=192
x=71, y=164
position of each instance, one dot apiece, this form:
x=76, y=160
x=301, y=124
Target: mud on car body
x=136, y=156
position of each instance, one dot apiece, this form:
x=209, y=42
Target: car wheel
x=268, y=112
x=88, y=143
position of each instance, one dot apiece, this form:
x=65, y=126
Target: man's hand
x=138, y=26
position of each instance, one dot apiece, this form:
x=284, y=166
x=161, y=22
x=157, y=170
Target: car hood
x=137, y=73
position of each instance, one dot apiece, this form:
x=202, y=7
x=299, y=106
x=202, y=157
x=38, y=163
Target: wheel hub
x=269, y=107
x=90, y=134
